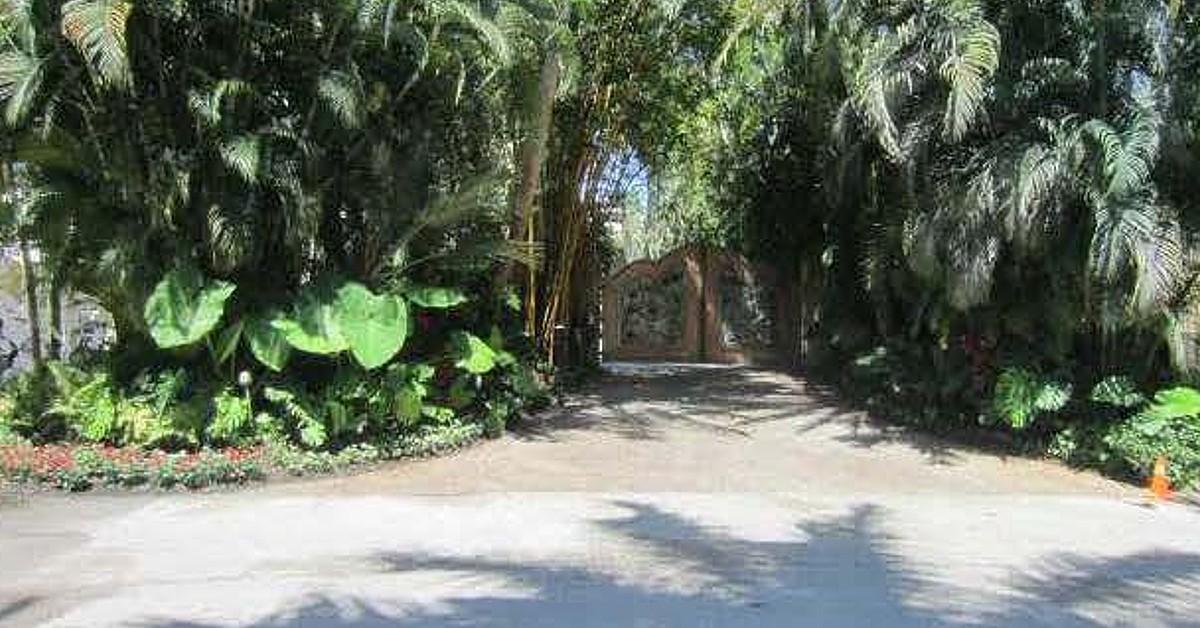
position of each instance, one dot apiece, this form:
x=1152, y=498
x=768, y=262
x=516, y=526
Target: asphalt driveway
x=663, y=497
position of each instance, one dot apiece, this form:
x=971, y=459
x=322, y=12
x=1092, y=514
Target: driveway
x=665, y=496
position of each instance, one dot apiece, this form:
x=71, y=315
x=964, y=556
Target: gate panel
x=746, y=311
x=652, y=310
x=696, y=305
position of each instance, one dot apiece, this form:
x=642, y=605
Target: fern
x=310, y=426
x=230, y=418
x=88, y=403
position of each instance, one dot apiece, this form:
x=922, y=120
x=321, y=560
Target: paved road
x=705, y=498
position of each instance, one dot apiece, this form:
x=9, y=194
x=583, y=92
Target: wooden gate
x=696, y=305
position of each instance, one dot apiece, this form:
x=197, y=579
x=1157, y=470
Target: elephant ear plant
x=327, y=319
x=375, y=326
x=330, y=318
x=185, y=307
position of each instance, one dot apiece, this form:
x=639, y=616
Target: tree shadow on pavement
x=837, y=571
x=642, y=406
x=9, y=610
x=647, y=402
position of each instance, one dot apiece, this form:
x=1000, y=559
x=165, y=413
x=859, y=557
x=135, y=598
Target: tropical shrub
x=1020, y=396
x=935, y=396
x=8, y=436
x=1169, y=426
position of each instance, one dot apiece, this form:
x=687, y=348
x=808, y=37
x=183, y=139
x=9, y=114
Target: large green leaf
x=1175, y=403
x=184, y=308
x=227, y=342
x=504, y=359
x=1021, y=395
x=474, y=355
x=436, y=298
x=1052, y=396
x=268, y=344
x=374, y=326
x=313, y=326
x=1118, y=391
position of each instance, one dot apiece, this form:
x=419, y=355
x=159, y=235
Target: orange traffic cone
x=1160, y=484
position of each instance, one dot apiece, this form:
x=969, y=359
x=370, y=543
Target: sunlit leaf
x=184, y=308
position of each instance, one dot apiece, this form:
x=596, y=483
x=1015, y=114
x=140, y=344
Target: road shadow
x=641, y=404
x=836, y=571
x=11, y=610
x=646, y=402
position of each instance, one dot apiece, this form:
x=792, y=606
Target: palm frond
x=21, y=78
x=972, y=59
x=1160, y=268
x=206, y=107
x=370, y=14
x=469, y=18
x=97, y=30
x=970, y=236
x=1041, y=181
x=449, y=210
x=17, y=22
x=875, y=90
x=243, y=155
x=230, y=235
x=342, y=92
x=1134, y=239
x=528, y=254
x=973, y=268
x=1043, y=77
x=1129, y=154
x=921, y=252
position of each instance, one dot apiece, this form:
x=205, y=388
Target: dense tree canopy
x=934, y=160
x=991, y=199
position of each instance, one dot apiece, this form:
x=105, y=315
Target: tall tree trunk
x=56, y=311
x=533, y=159
x=32, y=309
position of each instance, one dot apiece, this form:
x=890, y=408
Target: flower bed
x=82, y=467
x=73, y=467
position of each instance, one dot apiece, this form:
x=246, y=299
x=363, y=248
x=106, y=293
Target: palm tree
x=995, y=157
x=271, y=142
